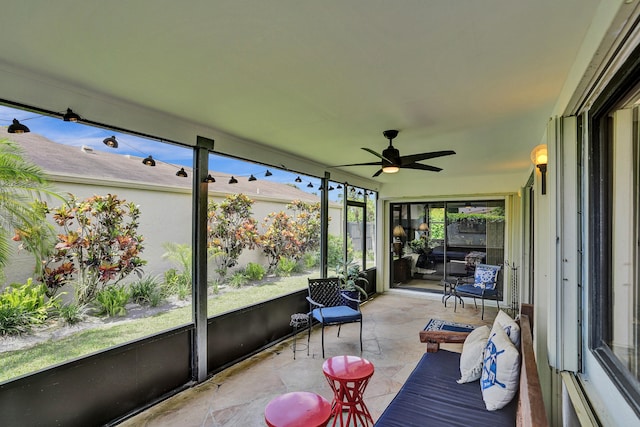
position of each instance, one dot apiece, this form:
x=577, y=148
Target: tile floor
x=238, y=395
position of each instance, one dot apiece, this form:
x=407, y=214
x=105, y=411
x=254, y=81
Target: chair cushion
x=338, y=314
x=486, y=276
x=472, y=354
x=475, y=290
x=500, y=370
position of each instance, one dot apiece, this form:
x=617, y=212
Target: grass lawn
x=109, y=334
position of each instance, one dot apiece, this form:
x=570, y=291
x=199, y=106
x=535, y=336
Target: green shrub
x=72, y=313
x=311, y=260
x=254, y=271
x=176, y=284
x=112, y=301
x=286, y=266
x=146, y=291
x=214, y=285
x=14, y=320
x=22, y=306
x=238, y=279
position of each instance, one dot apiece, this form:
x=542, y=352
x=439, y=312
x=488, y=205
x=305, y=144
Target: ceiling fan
x=391, y=161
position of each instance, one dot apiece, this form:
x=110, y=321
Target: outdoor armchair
x=328, y=306
x=484, y=286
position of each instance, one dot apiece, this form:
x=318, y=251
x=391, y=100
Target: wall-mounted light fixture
x=233, y=180
x=209, y=179
x=539, y=159
x=182, y=173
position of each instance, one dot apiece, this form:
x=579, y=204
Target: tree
x=99, y=245
x=22, y=214
x=306, y=226
x=291, y=236
x=278, y=240
x=230, y=230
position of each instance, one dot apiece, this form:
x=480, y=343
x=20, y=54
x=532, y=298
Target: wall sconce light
x=252, y=178
x=298, y=179
x=268, y=173
x=17, y=127
x=70, y=116
x=209, y=179
x=233, y=180
x=110, y=142
x=539, y=159
x=398, y=233
x=181, y=173
x=149, y=161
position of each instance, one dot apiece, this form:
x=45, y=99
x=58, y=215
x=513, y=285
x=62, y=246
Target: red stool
x=298, y=409
x=348, y=376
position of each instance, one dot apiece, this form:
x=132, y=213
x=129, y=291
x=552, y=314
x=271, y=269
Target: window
x=614, y=227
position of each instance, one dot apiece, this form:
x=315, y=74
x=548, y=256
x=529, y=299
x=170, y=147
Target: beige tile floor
x=238, y=395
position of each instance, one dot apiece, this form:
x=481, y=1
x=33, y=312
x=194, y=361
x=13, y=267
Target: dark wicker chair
x=328, y=306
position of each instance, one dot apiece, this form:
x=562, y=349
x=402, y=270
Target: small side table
x=348, y=377
x=299, y=408
x=298, y=320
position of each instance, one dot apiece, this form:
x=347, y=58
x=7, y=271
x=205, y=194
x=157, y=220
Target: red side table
x=348, y=377
x=298, y=409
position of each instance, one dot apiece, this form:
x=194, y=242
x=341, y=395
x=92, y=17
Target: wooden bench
x=431, y=396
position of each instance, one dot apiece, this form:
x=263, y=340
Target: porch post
x=199, y=262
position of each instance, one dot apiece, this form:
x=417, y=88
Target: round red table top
x=351, y=368
x=298, y=409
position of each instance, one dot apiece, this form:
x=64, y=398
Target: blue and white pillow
x=486, y=275
x=510, y=326
x=500, y=370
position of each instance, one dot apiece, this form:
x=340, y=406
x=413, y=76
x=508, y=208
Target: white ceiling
x=320, y=79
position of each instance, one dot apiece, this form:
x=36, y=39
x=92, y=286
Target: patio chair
x=484, y=286
x=328, y=306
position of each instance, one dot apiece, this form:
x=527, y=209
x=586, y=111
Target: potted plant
x=351, y=282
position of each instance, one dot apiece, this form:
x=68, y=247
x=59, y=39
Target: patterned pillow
x=486, y=276
x=500, y=370
x=472, y=353
x=510, y=326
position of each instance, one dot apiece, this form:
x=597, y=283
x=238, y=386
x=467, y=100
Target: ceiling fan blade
x=369, y=150
x=377, y=173
x=420, y=166
x=359, y=164
x=424, y=156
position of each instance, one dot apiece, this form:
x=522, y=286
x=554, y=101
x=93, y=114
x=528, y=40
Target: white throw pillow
x=510, y=326
x=472, y=354
x=500, y=370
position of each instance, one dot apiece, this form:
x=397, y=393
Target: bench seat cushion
x=431, y=397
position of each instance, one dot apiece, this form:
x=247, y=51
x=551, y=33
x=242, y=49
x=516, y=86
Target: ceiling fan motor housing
x=392, y=154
